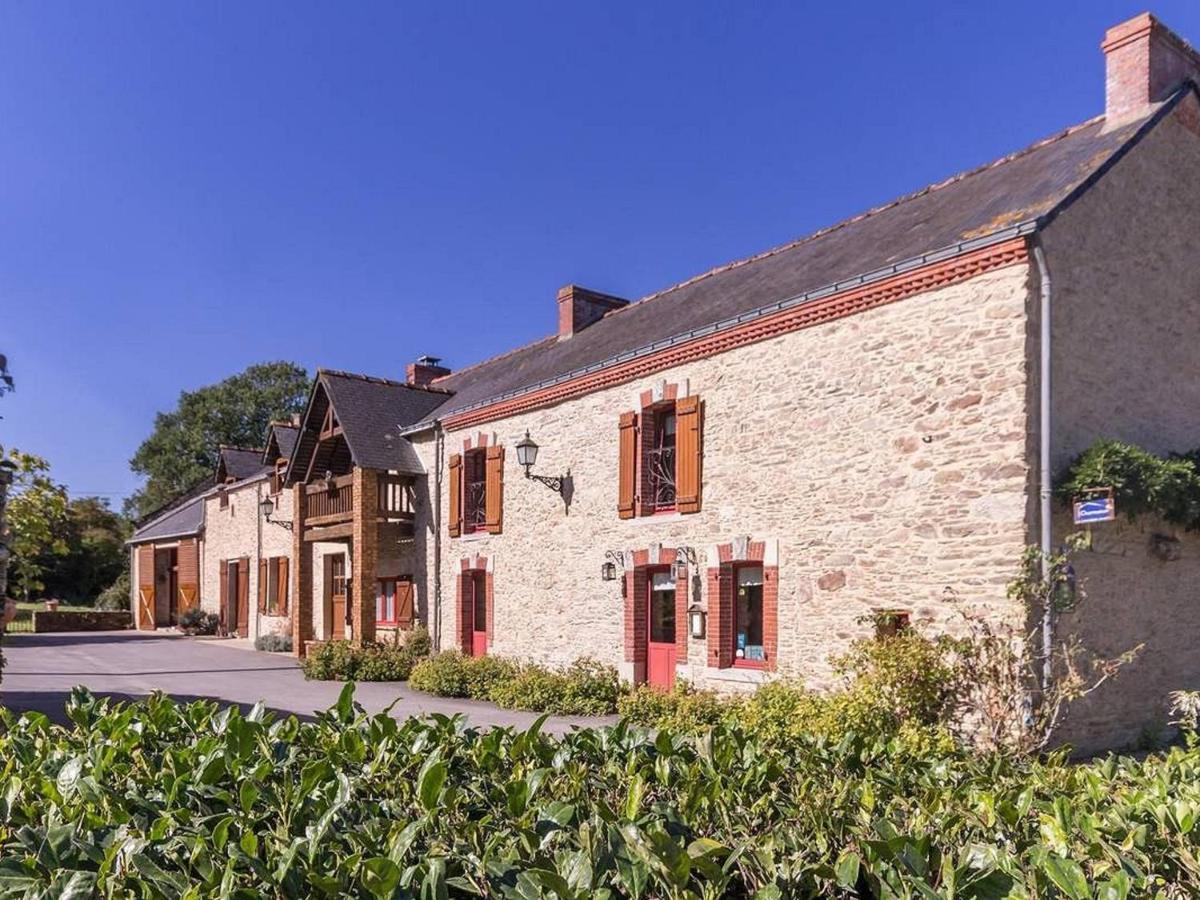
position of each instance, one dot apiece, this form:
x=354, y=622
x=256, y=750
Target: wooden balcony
x=329, y=503
x=331, y=507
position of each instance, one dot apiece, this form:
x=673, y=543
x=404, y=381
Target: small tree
x=37, y=520
x=1007, y=700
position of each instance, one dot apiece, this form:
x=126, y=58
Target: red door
x=660, y=627
x=479, y=635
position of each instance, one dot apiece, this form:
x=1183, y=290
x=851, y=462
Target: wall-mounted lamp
x=696, y=620
x=527, y=451
x=612, y=559
x=267, y=506
x=684, y=556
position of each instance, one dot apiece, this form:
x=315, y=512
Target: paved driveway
x=42, y=669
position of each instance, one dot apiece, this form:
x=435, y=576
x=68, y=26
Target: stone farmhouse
x=722, y=481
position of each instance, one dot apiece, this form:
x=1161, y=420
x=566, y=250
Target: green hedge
x=585, y=688
x=158, y=799
x=347, y=661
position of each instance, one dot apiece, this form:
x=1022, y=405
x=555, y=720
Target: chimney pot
x=579, y=307
x=1145, y=63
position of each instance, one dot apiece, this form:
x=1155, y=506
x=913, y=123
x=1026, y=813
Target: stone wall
x=239, y=531
x=93, y=620
x=1141, y=586
x=1125, y=325
x=882, y=457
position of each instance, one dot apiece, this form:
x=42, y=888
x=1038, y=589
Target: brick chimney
x=1145, y=63
x=578, y=308
x=424, y=370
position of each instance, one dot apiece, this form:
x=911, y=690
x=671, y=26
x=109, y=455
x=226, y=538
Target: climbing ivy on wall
x=1142, y=482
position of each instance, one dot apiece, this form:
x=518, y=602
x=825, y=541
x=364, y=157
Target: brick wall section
x=365, y=548
x=1144, y=63
x=303, y=583
x=884, y=453
x=1126, y=322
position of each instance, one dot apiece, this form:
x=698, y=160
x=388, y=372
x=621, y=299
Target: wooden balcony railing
x=395, y=497
x=333, y=504
x=330, y=503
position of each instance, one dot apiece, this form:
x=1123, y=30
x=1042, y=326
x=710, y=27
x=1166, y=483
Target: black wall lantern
x=612, y=559
x=527, y=452
x=684, y=556
x=696, y=620
x=267, y=506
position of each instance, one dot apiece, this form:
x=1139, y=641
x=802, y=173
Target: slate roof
x=281, y=435
x=240, y=462
x=285, y=437
x=371, y=412
x=182, y=521
x=1005, y=198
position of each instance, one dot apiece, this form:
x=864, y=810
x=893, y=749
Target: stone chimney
x=578, y=308
x=1145, y=63
x=424, y=370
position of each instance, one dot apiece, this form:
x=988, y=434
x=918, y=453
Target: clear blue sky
x=188, y=188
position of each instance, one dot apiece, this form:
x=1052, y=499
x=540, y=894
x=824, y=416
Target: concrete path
x=42, y=668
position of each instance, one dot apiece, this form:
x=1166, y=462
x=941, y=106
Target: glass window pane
x=662, y=608
x=748, y=615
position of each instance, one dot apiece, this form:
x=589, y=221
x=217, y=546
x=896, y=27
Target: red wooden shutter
x=283, y=586
x=626, y=465
x=466, y=610
x=223, y=588
x=263, y=578
x=456, y=511
x=495, y=489
x=688, y=453
x=404, y=603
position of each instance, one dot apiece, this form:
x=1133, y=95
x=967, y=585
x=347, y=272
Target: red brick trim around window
x=836, y=306
x=721, y=583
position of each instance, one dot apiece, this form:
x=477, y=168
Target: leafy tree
x=182, y=449
x=95, y=537
x=36, y=520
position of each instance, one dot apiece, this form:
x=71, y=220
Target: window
x=273, y=586
x=224, y=495
x=385, y=602
x=659, y=457
x=474, y=491
x=660, y=461
x=889, y=623
x=277, y=476
x=662, y=608
x=748, y=647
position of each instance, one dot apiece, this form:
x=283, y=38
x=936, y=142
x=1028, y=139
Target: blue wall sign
x=1096, y=509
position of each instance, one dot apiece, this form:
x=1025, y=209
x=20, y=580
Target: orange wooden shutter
x=263, y=578
x=404, y=603
x=283, y=586
x=224, y=589
x=627, y=465
x=456, y=512
x=146, y=587
x=188, y=562
x=495, y=489
x=688, y=453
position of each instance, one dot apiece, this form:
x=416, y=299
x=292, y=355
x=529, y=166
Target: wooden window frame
x=394, y=581
x=653, y=418
x=474, y=459
x=742, y=662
